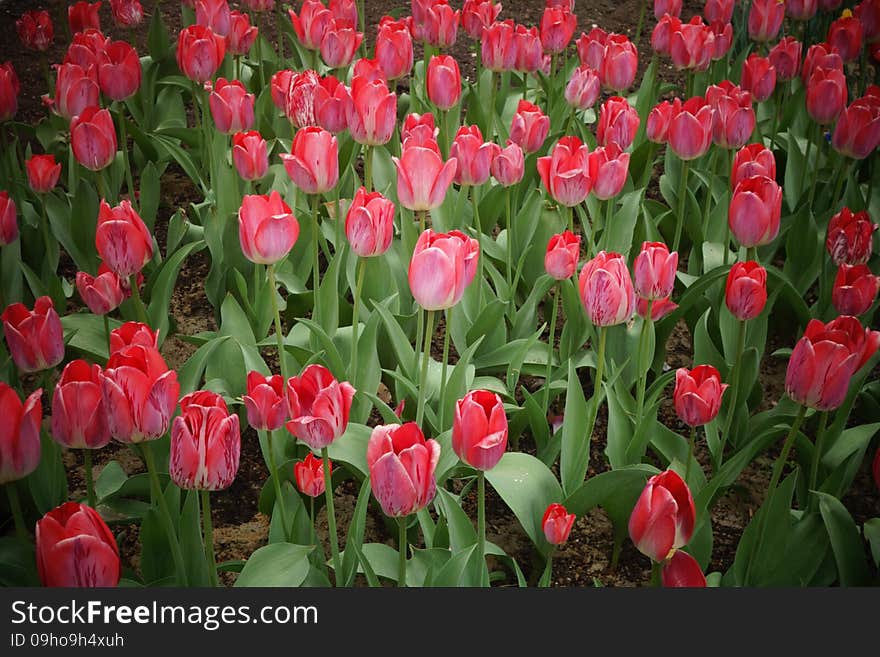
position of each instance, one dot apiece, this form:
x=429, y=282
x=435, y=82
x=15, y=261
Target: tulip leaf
x=351, y=447
x=110, y=480
x=149, y=194
x=355, y=537
x=401, y=344
x=278, y=564
x=616, y=491
x=190, y=536
x=162, y=287
x=575, y=458
x=17, y=563
x=846, y=542
x=871, y=529
x=48, y=483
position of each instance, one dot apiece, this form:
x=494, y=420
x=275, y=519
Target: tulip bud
x=309, y=475
x=443, y=81
x=93, y=138
x=682, y=571
x=340, y=43
x=311, y=23
x=557, y=523
x=690, y=130
x=557, y=28
x=697, y=395
x=755, y=209
x=420, y=127
x=583, y=88
x=474, y=156
x=591, y=48
x=200, y=52
x=205, y=443
x=723, y=33
x=608, y=170
x=765, y=19
x=479, y=429
x=8, y=220
x=102, y=293
x=232, y=107
x=845, y=36
x=422, y=177
x=654, y=271
x=318, y=405
x=750, y=161
x=265, y=402
x=20, y=440
x=498, y=47
x=313, y=163
x=394, y=48
x=661, y=37
x=372, y=114
x=620, y=63
x=294, y=94
x=606, y=290
x=819, y=55
x=402, y=468
x=478, y=15
x=659, y=308
x=718, y=10
x=435, y=23
x=785, y=57
x=122, y=239
x=242, y=34
x=82, y=16
x=734, y=118
x=34, y=337
x=746, y=291
x=249, y=155
x=133, y=333
x=127, y=13
x=9, y=89
x=76, y=88
x=659, y=118
x=758, y=77
x=663, y=517
x=508, y=165
x=35, y=30
x=214, y=14
x=43, y=173
x=563, y=253
x=566, y=171
x=692, y=45
x=826, y=95
x=801, y=10
x=78, y=417
x=267, y=229
x=442, y=266
x=857, y=133
x=119, y=71
x=671, y=7
x=332, y=99
x=855, y=289
x=618, y=123
x=369, y=224
x=530, y=55
x=849, y=237
x=868, y=13
x=529, y=127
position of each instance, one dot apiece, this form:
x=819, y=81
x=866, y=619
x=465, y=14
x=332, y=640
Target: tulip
x=101, y=293
x=868, y=13
x=671, y=7
x=697, y=395
x=265, y=403
x=765, y=19
x=618, y=123
x=232, y=107
x=606, y=290
x=200, y=52
x=93, y=138
x=394, y=49
x=849, y=237
x=663, y=517
x=855, y=289
x=8, y=219
x=557, y=523
x=311, y=23
x=82, y=16
x=344, y=10
x=752, y=160
x=723, y=33
x=339, y=43
x=402, y=465
x=608, y=169
x=785, y=57
x=372, y=114
x=659, y=118
x=332, y=99
x=718, y=10
x=34, y=337
x=734, y=118
x=76, y=88
x=862, y=341
x=692, y=46
x=529, y=51
x=78, y=417
x=9, y=89
x=267, y=229
x=309, y=475
x=35, y=30
x=479, y=429
x=758, y=77
x=819, y=55
x=801, y=10
x=119, y=72
x=242, y=34
x=20, y=440
x=529, y=127
x=845, y=36
x=205, y=443
x=826, y=95
x=294, y=94
x=369, y=70
x=418, y=129
x=566, y=172
x=682, y=571
x=620, y=63
x=508, y=165
x=557, y=28
x=442, y=266
x=249, y=155
x=654, y=271
x=122, y=239
x=369, y=224
x=591, y=48
x=133, y=333
x=583, y=88
x=76, y=548
x=86, y=48
x=497, y=46
x=443, y=82
x=561, y=258
x=214, y=14
x=478, y=15
x=659, y=308
x=661, y=37
x=746, y=291
x=313, y=163
x=474, y=156
x=423, y=177
x=436, y=24
x=754, y=212
x=127, y=13
x=318, y=405
x=690, y=130
x=857, y=133
x=43, y=173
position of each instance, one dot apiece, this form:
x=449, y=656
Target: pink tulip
x=372, y=114
x=102, y=293
x=855, y=289
x=765, y=19
x=659, y=118
x=232, y=107
x=83, y=15
x=755, y=209
x=752, y=160
x=20, y=439
x=215, y=15
x=508, y=165
x=723, y=33
x=43, y=173
x=78, y=417
x=857, y=133
x=8, y=220
x=249, y=155
x=311, y=23
x=443, y=81
x=265, y=403
x=122, y=239
x=200, y=52
x=529, y=127
x=332, y=99
x=34, y=337
x=801, y=10
x=435, y=23
x=849, y=239
x=697, y=395
x=369, y=224
x=690, y=130
x=786, y=58
x=607, y=290
x=566, y=172
x=591, y=48
x=394, y=49
x=663, y=517
x=620, y=63
x=746, y=290
x=618, y=123
x=473, y=154
x=442, y=266
x=479, y=429
x=498, y=47
x=119, y=71
x=369, y=70
x=734, y=117
x=529, y=51
x=608, y=170
x=583, y=88
x=340, y=43
x=478, y=15
x=313, y=163
x=557, y=523
x=423, y=177
x=402, y=465
x=557, y=28
x=758, y=77
x=319, y=406
x=267, y=229
x=418, y=130
x=682, y=571
x=127, y=13
x=692, y=45
x=672, y=7
x=309, y=475
x=563, y=253
x=659, y=308
x=654, y=271
x=819, y=55
x=661, y=37
x=294, y=94
x=242, y=34
x=76, y=88
x=93, y=138
x=205, y=443
x=868, y=13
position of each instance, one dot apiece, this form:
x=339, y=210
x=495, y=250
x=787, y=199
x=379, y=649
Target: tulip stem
x=691, y=444
x=729, y=172
x=279, y=335
x=571, y=225
x=107, y=333
x=597, y=385
x=479, y=229
x=355, y=322
x=126, y=163
x=817, y=452
x=682, y=195
x=279, y=499
x=815, y=174
x=368, y=168
x=15, y=506
x=140, y=308
x=734, y=381
x=707, y=206
x=446, y=315
x=609, y=210
x=332, y=536
x=657, y=574
x=402, y=545
x=103, y=191
x=481, y=525
x=90, y=482
x=551, y=344
x=641, y=21
x=208, y=531
x=423, y=377
x=316, y=277
x=644, y=362
x=493, y=91
x=165, y=514
x=509, y=224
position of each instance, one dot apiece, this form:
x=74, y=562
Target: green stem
x=165, y=514
x=571, y=225
x=657, y=574
x=493, y=92
x=90, y=482
x=316, y=247
x=814, y=178
x=208, y=531
x=641, y=21
x=644, y=362
x=752, y=253
x=312, y=520
x=481, y=518
x=550, y=346
x=107, y=333
x=401, y=551
x=368, y=168
x=817, y=452
x=734, y=383
x=276, y=481
x=332, y=536
x=727, y=223
x=691, y=444
x=482, y=255
x=509, y=224
x=15, y=506
x=139, y=306
x=126, y=163
x=446, y=333
x=707, y=206
x=682, y=195
x=103, y=190
x=597, y=387
x=422, y=216
x=279, y=334
x=838, y=185
x=44, y=227
x=355, y=327
x=423, y=377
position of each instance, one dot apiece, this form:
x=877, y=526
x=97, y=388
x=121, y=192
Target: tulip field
x=440, y=293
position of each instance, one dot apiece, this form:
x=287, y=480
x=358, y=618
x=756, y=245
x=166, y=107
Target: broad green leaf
x=279, y=564
x=847, y=544
x=575, y=458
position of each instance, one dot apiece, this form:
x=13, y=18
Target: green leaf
x=48, y=483
x=110, y=480
x=162, y=287
x=575, y=458
x=190, y=536
x=279, y=564
x=871, y=529
x=351, y=447
x=846, y=543
x=616, y=491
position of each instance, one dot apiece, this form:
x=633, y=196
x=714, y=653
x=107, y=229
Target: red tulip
x=801, y=10
x=765, y=19
x=697, y=395
x=566, y=171
x=344, y=10
x=849, y=237
x=508, y=165
x=692, y=45
x=659, y=118
x=479, y=429
x=826, y=95
x=133, y=333
x=478, y=15
x=723, y=33
x=819, y=55
x=690, y=130
x=825, y=359
x=311, y=23
x=583, y=88
x=394, y=49
x=214, y=14
x=442, y=266
x=435, y=23
x=557, y=28
x=620, y=63
x=76, y=88
x=661, y=37
x=249, y=155
x=718, y=10
x=82, y=16
x=86, y=49
x=119, y=72
x=332, y=99
x=654, y=271
x=618, y=123
x=242, y=34
x=663, y=517
x=122, y=239
x=557, y=523
x=734, y=118
x=845, y=36
x=43, y=173
x=267, y=229
x=529, y=127
x=659, y=308
x=369, y=70
x=402, y=465
x=855, y=289
x=101, y=293
x=473, y=154
x=682, y=571
x=752, y=160
x=318, y=405
x=422, y=177
x=755, y=209
x=309, y=475
x=34, y=337
x=369, y=224
x=35, y=30
x=294, y=94
x=8, y=219
x=563, y=252
x=746, y=291
x=340, y=43
x=758, y=77
x=420, y=129
x=857, y=133
x=9, y=88
x=232, y=107
x=671, y=7
x=20, y=440
x=127, y=13
x=75, y=548
x=372, y=114
x=205, y=443
x=868, y=13
x=530, y=55
x=78, y=417
x=498, y=47
x=265, y=402
x=200, y=52
x=443, y=81
x=785, y=57
x=607, y=290
x=591, y=48
x=313, y=163
x=608, y=171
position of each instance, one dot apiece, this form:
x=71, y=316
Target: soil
x=240, y=529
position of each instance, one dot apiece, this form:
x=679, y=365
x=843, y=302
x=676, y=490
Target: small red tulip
x=419, y=129
x=758, y=77
x=746, y=291
x=608, y=170
x=591, y=48
x=529, y=127
x=473, y=154
x=119, y=71
x=801, y=10
x=557, y=523
x=340, y=43
x=786, y=58
x=479, y=429
x=318, y=405
x=659, y=308
x=265, y=402
x=79, y=420
x=76, y=88
x=855, y=289
x=659, y=118
x=620, y=63
x=661, y=37
x=671, y=7
x=697, y=395
x=557, y=29
x=691, y=128
x=332, y=99
x=755, y=210
x=654, y=271
x=133, y=333
x=369, y=70
x=242, y=34
x=478, y=15
x=435, y=23
x=20, y=439
x=102, y=293
x=692, y=45
x=563, y=253
x=723, y=33
x=43, y=173
x=752, y=160
x=214, y=14
x=8, y=219
x=83, y=16
x=826, y=95
x=9, y=89
x=583, y=88
x=443, y=81
x=618, y=123
x=566, y=171
x=663, y=517
x=394, y=48
x=35, y=30
x=93, y=138
x=442, y=266
x=765, y=19
x=508, y=165
x=313, y=163
x=200, y=52
x=682, y=571
x=309, y=475
x=845, y=36
x=422, y=176
x=34, y=337
x=857, y=133
x=718, y=10
x=372, y=114
x=819, y=55
x=127, y=13
x=402, y=468
x=232, y=107
x=267, y=229
x=311, y=23
x=369, y=224
x=734, y=119
x=498, y=47
x=530, y=55
x=606, y=289
x=122, y=239
x=205, y=443
x=849, y=237
x=249, y=155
